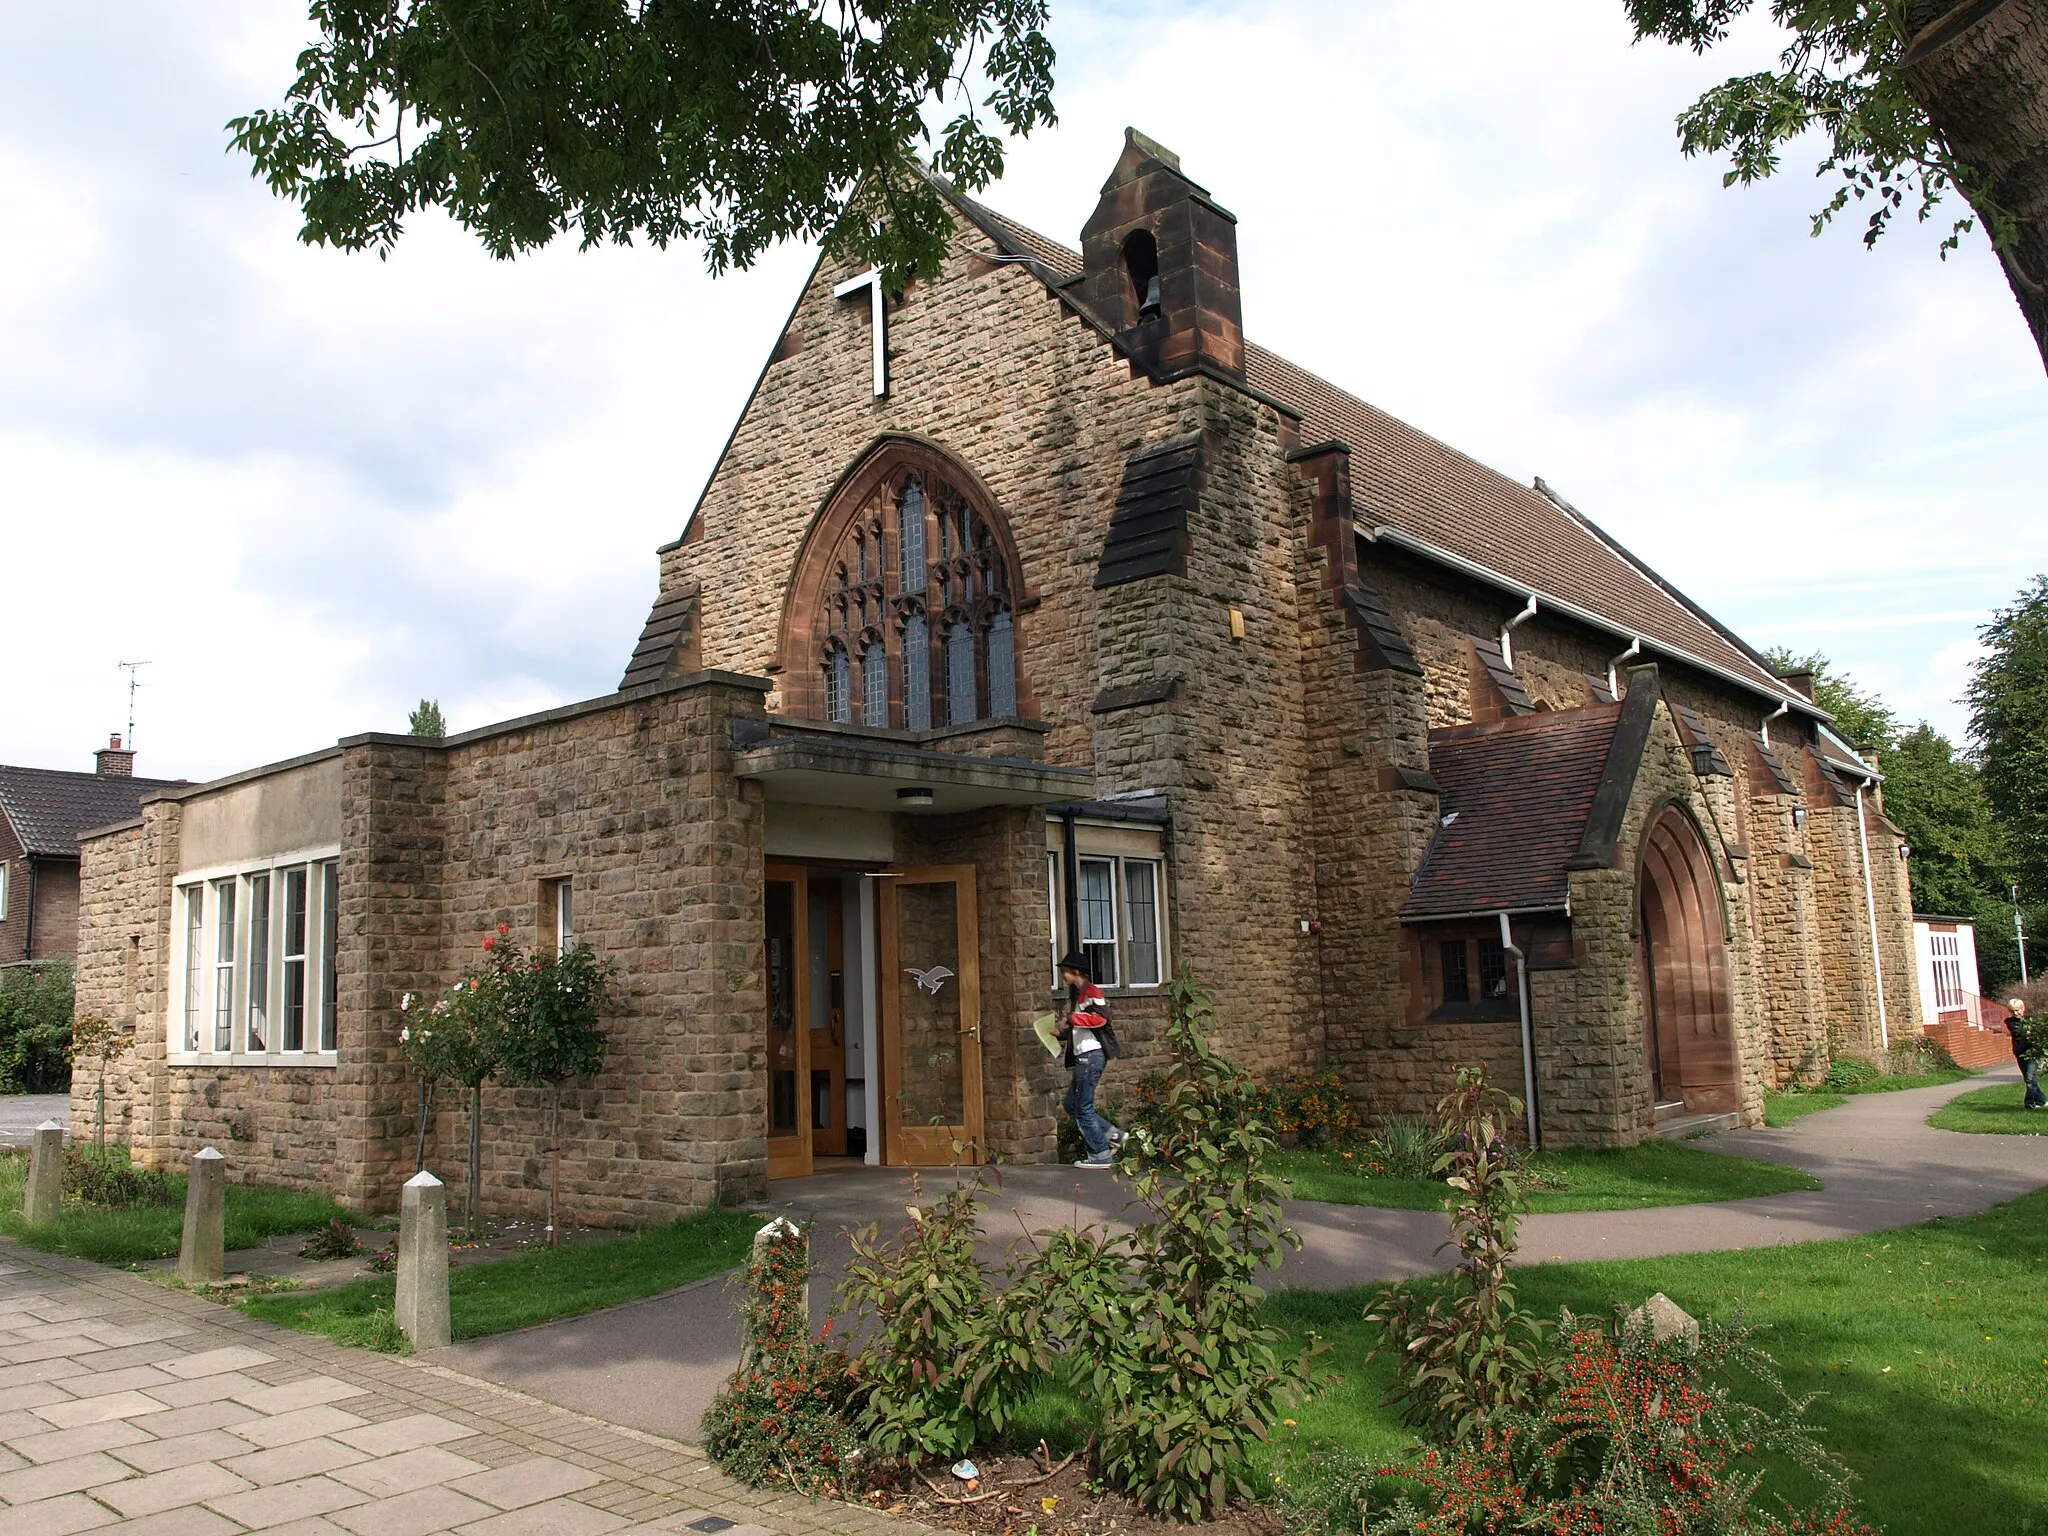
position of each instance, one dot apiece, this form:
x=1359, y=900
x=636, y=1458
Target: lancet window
x=913, y=624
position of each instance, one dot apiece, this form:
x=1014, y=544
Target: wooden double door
x=926, y=964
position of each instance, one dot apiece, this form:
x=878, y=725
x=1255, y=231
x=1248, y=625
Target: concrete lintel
x=867, y=775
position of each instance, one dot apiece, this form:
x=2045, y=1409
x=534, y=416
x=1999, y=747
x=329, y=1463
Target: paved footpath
x=21, y=1113
x=127, y=1406
x=656, y=1363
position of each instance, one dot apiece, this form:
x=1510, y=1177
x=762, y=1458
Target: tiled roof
x=1406, y=481
x=1516, y=794
x=49, y=808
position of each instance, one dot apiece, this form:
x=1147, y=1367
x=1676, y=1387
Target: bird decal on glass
x=930, y=980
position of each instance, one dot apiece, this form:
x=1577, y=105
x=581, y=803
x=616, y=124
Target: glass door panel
x=785, y=914
x=931, y=1016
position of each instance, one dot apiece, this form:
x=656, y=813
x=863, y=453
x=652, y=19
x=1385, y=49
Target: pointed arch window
x=959, y=673
x=874, y=684
x=910, y=537
x=917, y=674
x=908, y=599
x=839, y=687
x=1002, y=666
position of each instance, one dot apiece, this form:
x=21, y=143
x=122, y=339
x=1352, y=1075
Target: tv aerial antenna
x=131, y=668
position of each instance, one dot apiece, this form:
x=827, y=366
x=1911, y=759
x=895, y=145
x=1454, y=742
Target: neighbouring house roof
x=1430, y=495
x=1516, y=798
x=48, y=808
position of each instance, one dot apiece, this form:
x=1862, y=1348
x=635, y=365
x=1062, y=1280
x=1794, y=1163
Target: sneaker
x=1104, y=1159
x=1117, y=1139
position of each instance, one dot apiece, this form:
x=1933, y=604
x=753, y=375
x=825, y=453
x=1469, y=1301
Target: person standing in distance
x=1090, y=1044
x=2027, y=1050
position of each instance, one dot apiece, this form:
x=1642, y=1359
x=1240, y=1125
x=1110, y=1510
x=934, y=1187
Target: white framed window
x=330, y=947
x=256, y=1037
x=293, y=1019
x=559, y=897
x=259, y=960
x=4, y=868
x=224, y=965
x=1121, y=905
x=195, y=933
x=1948, y=970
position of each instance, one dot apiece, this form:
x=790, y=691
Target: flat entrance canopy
x=873, y=1026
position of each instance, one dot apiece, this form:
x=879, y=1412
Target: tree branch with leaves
x=736, y=124
x=1911, y=99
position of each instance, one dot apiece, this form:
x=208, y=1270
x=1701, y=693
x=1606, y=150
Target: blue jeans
x=1080, y=1104
x=2031, y=1071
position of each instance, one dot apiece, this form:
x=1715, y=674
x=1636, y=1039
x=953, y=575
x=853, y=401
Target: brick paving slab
x=166, y=1415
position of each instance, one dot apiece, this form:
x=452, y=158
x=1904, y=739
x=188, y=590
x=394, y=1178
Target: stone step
x=1681, y=1126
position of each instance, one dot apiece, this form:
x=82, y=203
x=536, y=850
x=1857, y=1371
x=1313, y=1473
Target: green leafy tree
x=734, y=125
x=98, y=1043
x=1863, y=719
x=552, y=1006
x=35, y=1028
x=2008, y=700
x=427, y=721
x=1908, y=99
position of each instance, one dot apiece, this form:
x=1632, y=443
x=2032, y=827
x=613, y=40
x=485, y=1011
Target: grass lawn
x=533, y=1288
x=1930, y=1345
x=1900, y=1082
x=1781, y=1109
x=1996, y=1110
x=1581, y=1179
x=254, y=1213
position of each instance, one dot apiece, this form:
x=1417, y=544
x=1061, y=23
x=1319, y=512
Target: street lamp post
x=2019, y=929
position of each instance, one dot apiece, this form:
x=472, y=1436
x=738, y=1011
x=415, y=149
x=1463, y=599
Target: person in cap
x=1089, y=1045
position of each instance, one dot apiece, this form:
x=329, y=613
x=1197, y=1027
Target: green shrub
x=1913, y=1055
x=1466, y=1349
x=336, y=1240
x=1848, y=1073
x=35, y=1028
x=107, y=1181
x=1405, y=1147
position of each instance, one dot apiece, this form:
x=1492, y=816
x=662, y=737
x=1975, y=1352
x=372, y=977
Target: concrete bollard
x=423, y=1262
x=43, y=1199
x=780, y=1230
x=202, y=1256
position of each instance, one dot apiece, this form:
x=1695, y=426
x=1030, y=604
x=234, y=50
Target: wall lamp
x=1905, y=850
x=1798, y=816
x=919, y=796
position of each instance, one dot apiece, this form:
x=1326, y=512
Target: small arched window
x=910, y=537
x=917, y=674
x=839, y=687
x=874, y=685
x=959, y=673
x=1002, y=666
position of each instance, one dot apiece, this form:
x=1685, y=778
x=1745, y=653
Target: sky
x=311, y=488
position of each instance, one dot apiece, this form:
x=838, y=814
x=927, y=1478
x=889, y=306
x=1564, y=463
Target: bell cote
x=1159, y=266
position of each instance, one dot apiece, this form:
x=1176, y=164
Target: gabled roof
x=48, y=808
x=1516, y=798
x=1443, y=505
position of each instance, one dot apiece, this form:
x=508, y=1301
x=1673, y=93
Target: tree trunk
x=419, y=1152
x=555, y=1168
x=1979, y=68
x=476, y=1157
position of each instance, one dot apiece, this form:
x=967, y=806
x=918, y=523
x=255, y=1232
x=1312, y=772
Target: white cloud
x=312, y=487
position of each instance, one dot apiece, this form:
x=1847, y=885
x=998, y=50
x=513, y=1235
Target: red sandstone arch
x=1682, y=946
x=863, y=499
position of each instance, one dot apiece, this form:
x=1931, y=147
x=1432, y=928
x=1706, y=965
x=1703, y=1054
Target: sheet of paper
x=1046, y=1027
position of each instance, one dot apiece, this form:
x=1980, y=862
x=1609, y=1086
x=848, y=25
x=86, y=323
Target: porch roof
x=868, y=775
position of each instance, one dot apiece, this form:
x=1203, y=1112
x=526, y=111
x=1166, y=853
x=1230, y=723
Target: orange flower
x=504, y=927
x=489, y=942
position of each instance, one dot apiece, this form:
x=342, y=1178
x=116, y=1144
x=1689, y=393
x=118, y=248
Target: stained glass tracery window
x=922, y=633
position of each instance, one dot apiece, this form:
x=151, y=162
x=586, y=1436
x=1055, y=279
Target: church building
x=1034, y=608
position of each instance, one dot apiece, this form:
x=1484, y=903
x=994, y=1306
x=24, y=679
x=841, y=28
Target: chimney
x=114, y=760
x=1159, y=267
x=1799, y=680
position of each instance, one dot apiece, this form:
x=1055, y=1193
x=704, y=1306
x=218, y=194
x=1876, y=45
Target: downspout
x=1884, y=1034
x=1635, y=649
x=1507, y=942
x=1507, y=633
x=1783, y=706
x=1070, y=867
x=28, y=934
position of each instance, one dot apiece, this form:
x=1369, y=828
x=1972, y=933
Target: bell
x=1149, y=310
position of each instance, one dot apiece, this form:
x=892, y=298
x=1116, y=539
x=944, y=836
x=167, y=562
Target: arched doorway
x=1688, y=1017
